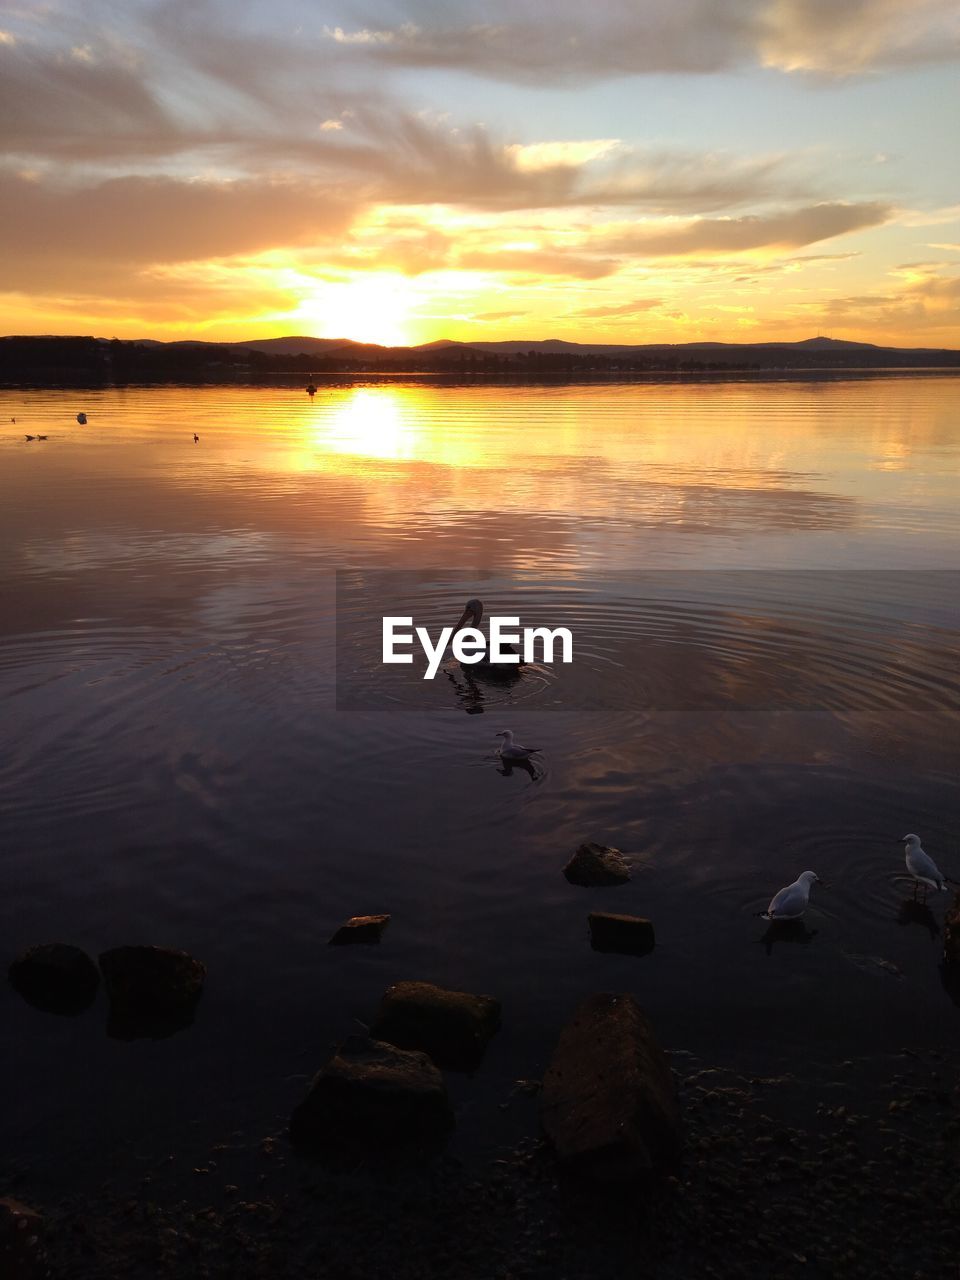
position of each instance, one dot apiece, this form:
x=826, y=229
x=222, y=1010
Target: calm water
x=200, y=747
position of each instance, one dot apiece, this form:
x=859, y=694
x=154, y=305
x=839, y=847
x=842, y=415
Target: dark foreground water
x=201, y=748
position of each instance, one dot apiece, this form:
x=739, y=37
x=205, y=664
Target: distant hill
x=831, y=346
x=44, y=361
x=292, y=346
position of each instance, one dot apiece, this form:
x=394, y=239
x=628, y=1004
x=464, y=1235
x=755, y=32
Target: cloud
x=415, y=159
x=69, y=235
x=236, y=113
x=516, y=43
x=857, y=36
x=612, y=311
x=936, y=288
x=857, y=302
x=929, y=304
x=789, y=229
x=929, y=217
x=538, y=262
x=536, y=156
x=52, y=103
x=618, y=38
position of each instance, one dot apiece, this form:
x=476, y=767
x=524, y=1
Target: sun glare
x=368, y=308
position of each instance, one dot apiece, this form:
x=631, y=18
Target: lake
x=202, y=749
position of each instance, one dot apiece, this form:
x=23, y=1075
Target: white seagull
x=922, y=867
x=510, y=750
x=792, y=901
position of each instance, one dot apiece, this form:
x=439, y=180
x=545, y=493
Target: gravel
x=851, y=1171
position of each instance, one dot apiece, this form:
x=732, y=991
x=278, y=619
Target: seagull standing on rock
x=792, y=901
x=510, y=750
x=922, y=867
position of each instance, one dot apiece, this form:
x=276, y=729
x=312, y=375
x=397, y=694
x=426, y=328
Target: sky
x=400, y=171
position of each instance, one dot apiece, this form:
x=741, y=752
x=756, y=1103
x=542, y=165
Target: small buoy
x=311, y=390
x=82, y=418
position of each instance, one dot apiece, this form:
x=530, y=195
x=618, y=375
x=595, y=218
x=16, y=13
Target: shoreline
x=852, y=1170
x=294, y=380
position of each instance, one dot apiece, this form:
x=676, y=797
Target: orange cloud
x=789, y=229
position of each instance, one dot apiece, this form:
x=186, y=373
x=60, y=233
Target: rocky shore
x=849, y=1170
x=634, y=1161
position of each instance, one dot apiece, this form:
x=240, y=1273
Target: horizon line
x=481, y=342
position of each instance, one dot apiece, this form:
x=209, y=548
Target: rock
x=951, y=934
x=153, y=990
x=452, y=1026
x=627, y=935
x=594, y=865
x=372, y=1096
x=608, y=1103
x=20, y=1253
x=56, y=978
x=360, y=929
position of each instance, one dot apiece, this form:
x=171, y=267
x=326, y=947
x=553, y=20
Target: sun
x=373, y=307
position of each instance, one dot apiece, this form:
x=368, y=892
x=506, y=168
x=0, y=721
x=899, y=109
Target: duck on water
x=509, y=667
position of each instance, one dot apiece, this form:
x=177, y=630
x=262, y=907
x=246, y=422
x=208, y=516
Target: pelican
x=471, y=617
x=922, y=867
x=510, y=750
x=792, y=900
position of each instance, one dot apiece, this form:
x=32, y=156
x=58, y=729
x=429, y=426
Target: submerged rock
x=951, y=934
x=372, y=1096
x=153, y=990
x=594, y=865
x=56, y=978
x=608, y=1103
x=20, y=1253
x=360, y=929
x=626, y=935
x=454, y=1027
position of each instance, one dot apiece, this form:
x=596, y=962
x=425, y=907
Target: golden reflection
x=371, y=424
x=620, y=451
x=525, y=466
x=401, y=424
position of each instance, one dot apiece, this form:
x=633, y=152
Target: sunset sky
x=399, y=171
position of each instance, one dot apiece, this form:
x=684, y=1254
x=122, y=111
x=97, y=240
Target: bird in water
x=82, y=419
x=196, y=438
x=41, y=437
x=471, y=617
x=29, y=437
x=922, y=867
x=793, y=899
x=510, y=750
